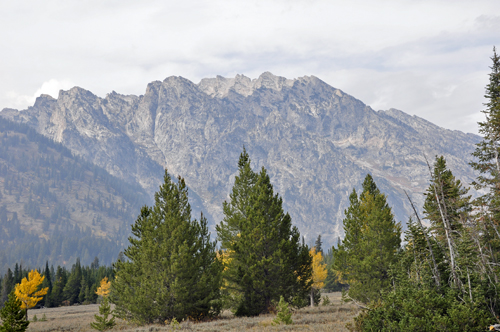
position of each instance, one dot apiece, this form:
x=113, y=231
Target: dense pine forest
x=54, y=206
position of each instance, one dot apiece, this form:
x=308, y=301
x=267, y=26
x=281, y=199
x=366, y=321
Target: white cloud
x=51, y=87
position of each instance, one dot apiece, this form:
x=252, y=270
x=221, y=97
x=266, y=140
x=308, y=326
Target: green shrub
x=174, y=324
x=411, y=309
x=284, y=315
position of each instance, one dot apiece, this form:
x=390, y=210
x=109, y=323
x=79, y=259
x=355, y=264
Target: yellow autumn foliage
x=319, y=269
x=27, y=292
x=104, y=289
x=226, y=257
x=226, y=260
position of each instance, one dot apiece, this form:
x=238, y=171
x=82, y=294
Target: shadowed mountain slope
x=57, y=207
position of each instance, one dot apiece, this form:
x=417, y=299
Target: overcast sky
x=428, y=58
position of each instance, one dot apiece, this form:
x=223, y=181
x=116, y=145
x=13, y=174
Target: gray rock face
x=316, y=142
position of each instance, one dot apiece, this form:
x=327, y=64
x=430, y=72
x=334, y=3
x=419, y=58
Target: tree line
x=64, y=286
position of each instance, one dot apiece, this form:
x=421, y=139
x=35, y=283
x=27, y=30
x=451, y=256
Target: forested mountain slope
x=55, y=206
x=316, y=142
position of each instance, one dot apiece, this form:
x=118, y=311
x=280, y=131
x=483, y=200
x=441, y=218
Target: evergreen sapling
x=13, y=317
x=284, y=315
x=104, y=322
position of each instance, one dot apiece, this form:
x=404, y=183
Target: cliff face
x=316, y=142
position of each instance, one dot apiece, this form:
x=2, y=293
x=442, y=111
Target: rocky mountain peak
x=219, y=86
x=270, y=81
x=44, y=101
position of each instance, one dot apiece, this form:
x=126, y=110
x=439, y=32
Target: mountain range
x=316, y=141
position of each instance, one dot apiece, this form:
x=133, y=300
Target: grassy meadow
x=332, y=317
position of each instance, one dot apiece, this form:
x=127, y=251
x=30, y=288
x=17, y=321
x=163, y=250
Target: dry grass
x=322, y=318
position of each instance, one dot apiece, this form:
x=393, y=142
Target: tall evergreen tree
x=446, y=198
x=235, y=211
x=372, y=239
x=57, y=296
x=487, y=151
x=18, y=274
x=83, y=290
x=7, y=286
x=172, y=269
x=487, y=162
x=318, y=244
x=47, y=282
x=72, y=288
x=266, y=259
x=447, y=206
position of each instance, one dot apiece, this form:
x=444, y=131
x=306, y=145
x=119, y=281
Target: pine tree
x=7, y=286
x=72, y=288
x=372, y=239
x=266, y=259
x=47, y=283
x=235, y=211
x=283, y=315
x=317, y=244
x=172, y=268
x=57, y=297
x=83, y=288
x=18, y=274
x=102, y=321
x=12, y=316
x=452, y=202
x=487, y=151
x=447, y=207
x=488, y=164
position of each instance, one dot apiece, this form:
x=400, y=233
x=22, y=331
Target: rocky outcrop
x=316, y=142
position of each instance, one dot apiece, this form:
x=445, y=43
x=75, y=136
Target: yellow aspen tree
x=104, y=289
x=319, y=272
x=27, y=291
